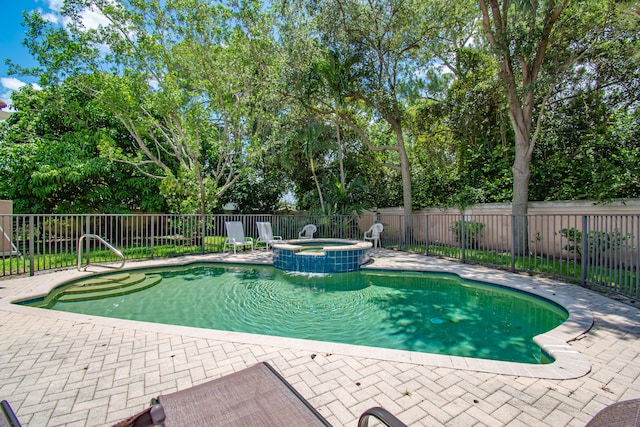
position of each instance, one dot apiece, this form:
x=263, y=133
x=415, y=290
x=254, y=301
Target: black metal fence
x=599, y=250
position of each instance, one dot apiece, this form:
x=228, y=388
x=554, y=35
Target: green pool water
x=432, y=313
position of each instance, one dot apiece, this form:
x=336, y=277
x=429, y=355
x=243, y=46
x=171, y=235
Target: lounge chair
x=307, y=231
x=7, y=416
x=235, y=236
x=255, y=396
x=373, y=234
x=265, y=234
x=621, y=414
x=14, y=252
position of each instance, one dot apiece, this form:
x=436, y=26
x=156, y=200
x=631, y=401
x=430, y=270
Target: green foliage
x=368, y=67
x=598, y=242
x=345, y=200
x=51, y=160
x=587, y=151
x=434, y=172
x=463, y=149
x=191, y=88
x=468, y=233
x=259, y=190
x=349, y=104
x=574, y=238
x=181, y=192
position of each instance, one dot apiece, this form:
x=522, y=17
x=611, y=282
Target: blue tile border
x=332, y=255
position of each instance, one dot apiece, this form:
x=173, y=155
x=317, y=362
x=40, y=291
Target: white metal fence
x=599, y=250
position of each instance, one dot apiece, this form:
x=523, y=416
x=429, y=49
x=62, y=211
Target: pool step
x=100, y=287
x=105, y=279
x=104, y=284
x=133, y=284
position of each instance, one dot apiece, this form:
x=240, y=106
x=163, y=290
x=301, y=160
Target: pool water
x=432, y=313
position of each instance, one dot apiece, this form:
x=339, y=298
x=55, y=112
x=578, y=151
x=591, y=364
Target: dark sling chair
x=621, y=414
x=255, y=396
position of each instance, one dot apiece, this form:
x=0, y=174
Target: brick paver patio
x=60, y=369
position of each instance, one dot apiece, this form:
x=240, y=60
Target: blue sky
x=12, y=36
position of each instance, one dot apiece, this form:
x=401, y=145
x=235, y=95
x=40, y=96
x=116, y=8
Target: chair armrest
x=9, y=415
x=149, y=417
x=386, y=417
x=157, y=414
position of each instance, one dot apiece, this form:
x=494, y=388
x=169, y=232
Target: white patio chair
x=235, y=236
x=373, y=234
x=307, y=231
x=265, y=234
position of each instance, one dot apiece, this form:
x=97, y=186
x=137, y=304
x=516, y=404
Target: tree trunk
x=343, y=180
x=521, y=175
x=318, y=187
x=405, y=169
x=406, y=182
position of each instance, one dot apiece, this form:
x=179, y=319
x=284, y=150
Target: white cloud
x=50, y=11
x=11, y=83
x=6, y=97
x=50, y=17
x=92, y=18
x=55, y=5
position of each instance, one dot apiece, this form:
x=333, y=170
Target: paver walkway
x=59, y=369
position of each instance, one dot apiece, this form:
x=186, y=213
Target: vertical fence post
x=584, y=250
x=513, y=243
x=87, y=230
x=32, y=270
x=426, y=234
x=152, y=233
x=202, y=232
x=463, y=238
x=636, y=268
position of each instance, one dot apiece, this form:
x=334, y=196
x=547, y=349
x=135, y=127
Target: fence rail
x=598, y=250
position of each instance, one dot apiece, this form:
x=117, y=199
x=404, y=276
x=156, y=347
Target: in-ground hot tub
x=320, y=255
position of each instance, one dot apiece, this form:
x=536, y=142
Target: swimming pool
x=430, y=313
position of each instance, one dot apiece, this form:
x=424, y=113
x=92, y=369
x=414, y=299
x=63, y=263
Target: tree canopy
x=185, y=105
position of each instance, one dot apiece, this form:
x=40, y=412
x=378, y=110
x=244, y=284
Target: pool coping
x=349, y=245
x=568, y=363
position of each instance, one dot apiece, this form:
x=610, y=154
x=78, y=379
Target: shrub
x=470, y=231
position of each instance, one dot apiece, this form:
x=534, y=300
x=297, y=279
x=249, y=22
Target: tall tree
x=50, y=157
x=536, y=43
x=185, y=78
x=368, y=64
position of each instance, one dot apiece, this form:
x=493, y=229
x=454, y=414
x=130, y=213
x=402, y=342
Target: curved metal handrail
x=104, y=242
x=384, y=416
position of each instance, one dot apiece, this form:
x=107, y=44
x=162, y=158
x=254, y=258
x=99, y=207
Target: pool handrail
x=105, y=243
